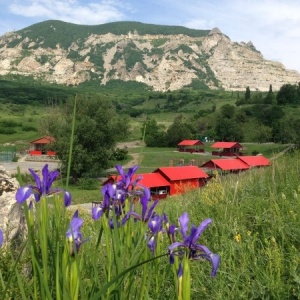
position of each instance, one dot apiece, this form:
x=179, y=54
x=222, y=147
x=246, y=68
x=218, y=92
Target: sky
x=273, y=26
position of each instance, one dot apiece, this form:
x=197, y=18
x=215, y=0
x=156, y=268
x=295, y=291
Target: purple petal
x=97, y=212
x=180, y=271
x=172, y=259
x=67, y=198
x=23, y=194
x=131, y=171
x=214, y=259
x=45, y=185
x=36, y=179
x=150, y=211
x=135, y=215
x=120, y=171
x=1, y=238
x=152, y=244
x=184, y=223
x=176, y=245
x=200, y=229
x=155, y=224
x=51, y=177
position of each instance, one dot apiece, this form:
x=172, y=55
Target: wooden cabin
x=41, y=146
x=190, y=146
x=227, y=149
x=255, y=161
x=183, y=178
x=230, y=165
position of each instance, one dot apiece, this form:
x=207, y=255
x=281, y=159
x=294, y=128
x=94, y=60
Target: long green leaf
x=71, y=143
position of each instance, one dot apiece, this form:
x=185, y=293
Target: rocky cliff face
x=163, y=62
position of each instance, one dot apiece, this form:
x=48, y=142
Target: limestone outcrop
x=163, y=62
x=12, y=221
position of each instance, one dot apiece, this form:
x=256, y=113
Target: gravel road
x=11, y=167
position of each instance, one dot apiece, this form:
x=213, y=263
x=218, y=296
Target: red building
x=158, y=185
x=190, y=146
x=231, y=165
x=183, y=179
x=41, y=146
x=255, y=161
x=227, y=149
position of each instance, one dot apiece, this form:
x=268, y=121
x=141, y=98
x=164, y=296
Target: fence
x=7, y=153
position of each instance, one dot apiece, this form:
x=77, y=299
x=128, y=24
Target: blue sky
x=273, y=26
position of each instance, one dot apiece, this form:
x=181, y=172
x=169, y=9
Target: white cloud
x=70, y=10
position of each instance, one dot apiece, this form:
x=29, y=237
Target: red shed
x=255, y=161
x=158, y=185
x=190, y=146
x=38, y=147
x=231, y=165
x=184, y=178
x=227, y=149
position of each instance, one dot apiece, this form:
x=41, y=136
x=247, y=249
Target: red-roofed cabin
x=231, y=165
x=190, y=146
x=40, y=146
x=227, y=149
x=255, y=161
x=158, y=185
x=183, y=179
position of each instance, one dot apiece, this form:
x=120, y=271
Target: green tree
x=269, y=99
x=227, y=111
x=247, y=94
x=228, y=130
x=97, y=129
x=288, y=94
x=152, y=133
x=178, y=131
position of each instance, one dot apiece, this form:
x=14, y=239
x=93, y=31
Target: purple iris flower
x=1, y=238
x=74, y=234
x=42, y=187
x=146, y=213
x=107, y=192
x=126, y=178
x=195, y=251
x=155, y=225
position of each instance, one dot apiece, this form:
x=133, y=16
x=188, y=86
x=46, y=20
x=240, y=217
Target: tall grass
x=256, y=232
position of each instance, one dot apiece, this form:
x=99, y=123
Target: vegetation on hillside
x=47, y=33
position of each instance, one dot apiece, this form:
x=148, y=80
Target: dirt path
x=135, y=156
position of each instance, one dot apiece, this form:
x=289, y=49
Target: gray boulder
x=12, y=220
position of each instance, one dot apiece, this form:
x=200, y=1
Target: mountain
x=162, y=57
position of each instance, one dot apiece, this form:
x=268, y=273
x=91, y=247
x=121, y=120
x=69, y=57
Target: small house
x=190, y=146
x=183, y=178
x=227, y=149
x=255, y=161
x=41, y=146
x=230, y=165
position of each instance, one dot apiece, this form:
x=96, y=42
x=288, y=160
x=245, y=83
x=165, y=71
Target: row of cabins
x=223, y=148
x=175, y=180
x=41, y=147
x=178, y=180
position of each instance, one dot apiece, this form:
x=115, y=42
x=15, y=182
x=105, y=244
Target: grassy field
x=22, y=123
x=255, y=231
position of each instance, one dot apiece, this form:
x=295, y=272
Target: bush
x=88, y=184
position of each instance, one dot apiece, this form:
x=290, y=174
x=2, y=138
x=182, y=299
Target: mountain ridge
x=161, y=56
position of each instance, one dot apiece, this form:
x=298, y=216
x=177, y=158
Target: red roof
x=255, y=161
x=190, y=143
x=226, y=164
x=44, y=140
x=149, y=180
x=182, y=173
x=226, y=145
